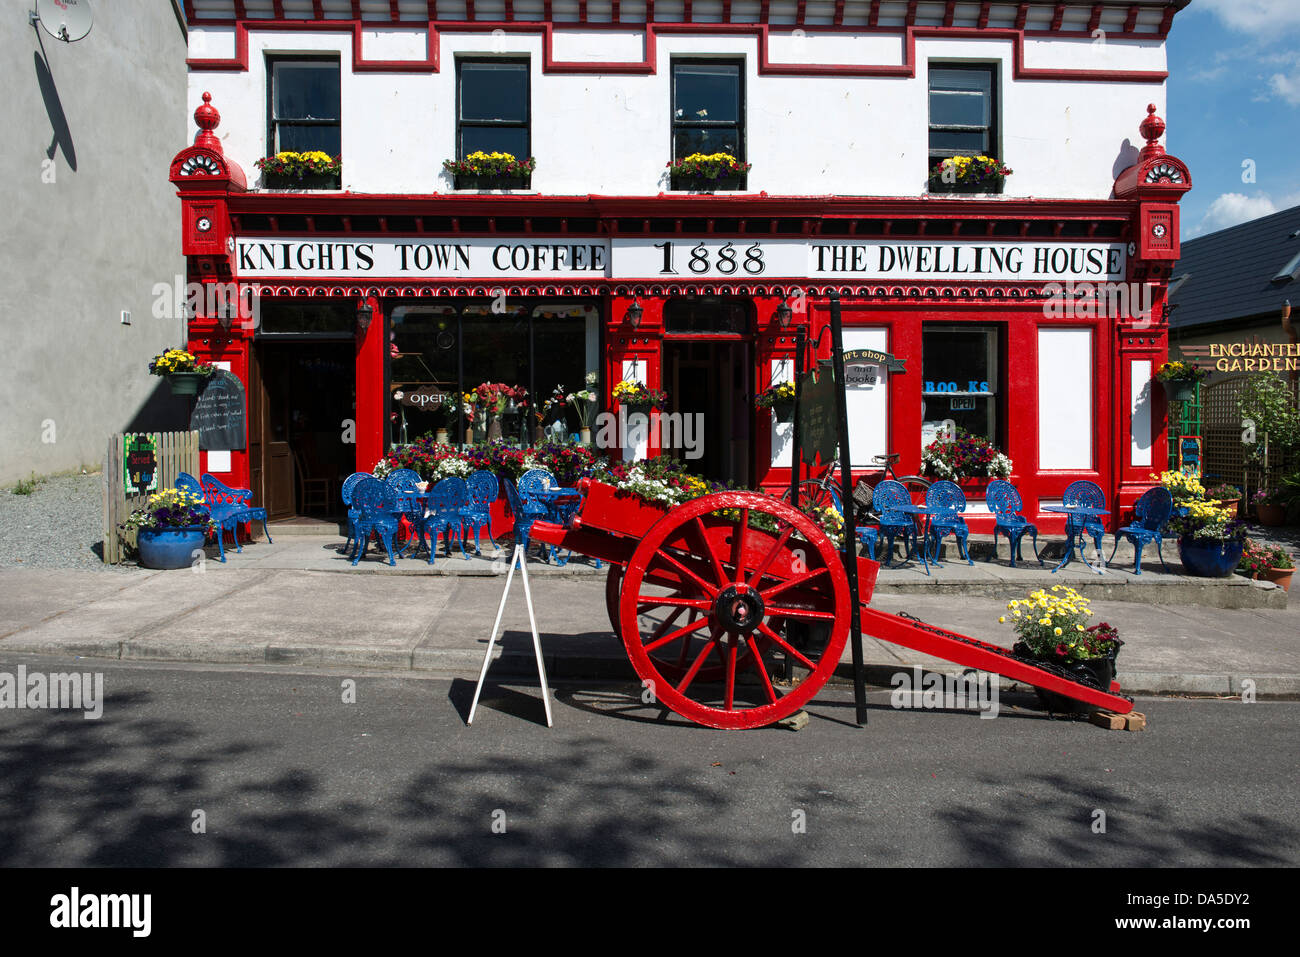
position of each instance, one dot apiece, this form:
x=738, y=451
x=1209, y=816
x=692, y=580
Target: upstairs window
x=303, y=109
x=708, y=108
x=492, y=112
x=963, y=115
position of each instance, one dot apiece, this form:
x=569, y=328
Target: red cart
x=714, y=597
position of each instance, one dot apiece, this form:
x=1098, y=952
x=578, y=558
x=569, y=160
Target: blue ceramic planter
x=1208, y=559
x=169, y=548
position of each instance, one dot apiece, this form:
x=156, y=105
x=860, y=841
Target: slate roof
x=1230, y=273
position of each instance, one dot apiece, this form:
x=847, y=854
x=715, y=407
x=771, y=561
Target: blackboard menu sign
x=219, y=413
x=140, y=464
x=817, y=416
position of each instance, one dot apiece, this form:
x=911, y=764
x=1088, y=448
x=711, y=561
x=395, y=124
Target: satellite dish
x=65, y=20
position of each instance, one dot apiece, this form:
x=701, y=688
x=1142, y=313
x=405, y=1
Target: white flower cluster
x=1000, y=467
x=936, y=465
x=381, y=469
x=651, y=489
x=452, y=466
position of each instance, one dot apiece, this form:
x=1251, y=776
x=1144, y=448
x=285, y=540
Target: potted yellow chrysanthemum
x=182, y=370
x=1052, y=630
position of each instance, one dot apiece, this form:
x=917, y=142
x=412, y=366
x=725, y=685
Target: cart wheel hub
x=739, y=608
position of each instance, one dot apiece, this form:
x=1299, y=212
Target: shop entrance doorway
x=711, y=394
x=301, y=410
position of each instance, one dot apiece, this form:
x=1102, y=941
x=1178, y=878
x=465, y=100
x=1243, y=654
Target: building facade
x=88, y=232
x=1002, y=300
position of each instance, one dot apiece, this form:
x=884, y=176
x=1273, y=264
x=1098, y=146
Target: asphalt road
x=286, y=773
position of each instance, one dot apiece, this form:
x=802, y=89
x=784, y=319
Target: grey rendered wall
x=88, y=225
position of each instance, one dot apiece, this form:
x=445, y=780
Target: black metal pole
x=850, y=524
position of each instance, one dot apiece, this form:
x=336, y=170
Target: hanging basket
x=1180, y=390
x=186, y=383
x=783, y=411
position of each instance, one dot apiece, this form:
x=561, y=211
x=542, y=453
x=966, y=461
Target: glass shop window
x=431, y=346
x=961, y=380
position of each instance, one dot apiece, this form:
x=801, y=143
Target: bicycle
x=825, y=491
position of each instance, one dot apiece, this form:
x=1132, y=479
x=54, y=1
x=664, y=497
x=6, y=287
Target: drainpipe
x=1289, y=331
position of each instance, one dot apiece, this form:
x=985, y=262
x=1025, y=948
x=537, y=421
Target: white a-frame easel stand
x=519, y=559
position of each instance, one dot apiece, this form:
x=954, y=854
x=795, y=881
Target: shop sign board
x=817, y=433
x=424, y=398
x=140, y=464
x=740, y=259
x=219, y=413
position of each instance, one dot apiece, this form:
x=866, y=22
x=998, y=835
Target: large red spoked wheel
x=675, y=671
x=706, y=587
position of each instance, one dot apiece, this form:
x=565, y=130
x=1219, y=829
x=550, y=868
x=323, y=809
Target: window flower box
x=968, y=174
x=311, y=170
x=481, y=170
x=708, y=172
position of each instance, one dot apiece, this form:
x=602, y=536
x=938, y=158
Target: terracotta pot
x=1271, y=515
x=1278, y=576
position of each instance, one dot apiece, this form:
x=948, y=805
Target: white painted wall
x=868, y=406
x=609, y=134
x=1065, y=398
x=782, y=432
x=1140, y=410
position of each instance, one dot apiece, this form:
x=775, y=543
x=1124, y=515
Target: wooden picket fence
x=177, y=452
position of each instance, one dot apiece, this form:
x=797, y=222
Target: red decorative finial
x=207, y=117
x=1151, y=128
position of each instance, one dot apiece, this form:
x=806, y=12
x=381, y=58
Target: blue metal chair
x=483, y=491
x=375, y=504
x=349, y=484
x=888, y=501
x=948, y=501
x=541, y=480
x=217, y=491
x=1088, y=494
x=408, y=504
x=1005, y=503
x=524, y=513
x=1150, y=512
x=446, y=500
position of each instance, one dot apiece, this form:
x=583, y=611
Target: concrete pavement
x=249, y=611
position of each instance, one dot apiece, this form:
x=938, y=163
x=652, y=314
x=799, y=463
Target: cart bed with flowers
x=714, y=596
